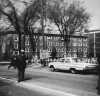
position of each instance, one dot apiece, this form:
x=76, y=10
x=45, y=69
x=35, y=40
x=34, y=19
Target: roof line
x=92, y=31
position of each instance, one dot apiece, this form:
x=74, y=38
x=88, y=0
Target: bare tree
x=21, y=21
x=69, y=18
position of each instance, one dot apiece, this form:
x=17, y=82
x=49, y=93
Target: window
x=16, y=38
x=62, y=43
x=15, y=45
x=16, y=52
x=74, y=44
x=49, y=49
x=48, y=38
x=27, y=49
x=27, y=42
x=49, y=43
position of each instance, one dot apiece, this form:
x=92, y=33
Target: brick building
x=94, y=42
x=78, y=44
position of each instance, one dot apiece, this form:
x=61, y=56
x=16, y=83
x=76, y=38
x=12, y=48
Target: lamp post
x=43, y=19
x=94, y=51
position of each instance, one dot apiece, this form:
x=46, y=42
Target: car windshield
x=62, y=60
x=68, y=60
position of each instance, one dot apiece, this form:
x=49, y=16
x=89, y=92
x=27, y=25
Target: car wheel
x=52, y=68
x=73, y=71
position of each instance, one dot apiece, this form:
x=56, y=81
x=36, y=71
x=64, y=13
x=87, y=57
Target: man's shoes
x=19, y=80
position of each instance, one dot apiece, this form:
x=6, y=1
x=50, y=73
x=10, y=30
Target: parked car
x=71, y=65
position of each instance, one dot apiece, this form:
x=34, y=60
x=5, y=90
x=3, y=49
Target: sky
x=93, y=7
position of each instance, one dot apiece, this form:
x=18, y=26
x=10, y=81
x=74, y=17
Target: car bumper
x=89, y=69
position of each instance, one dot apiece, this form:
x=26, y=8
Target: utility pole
x=43, y=19
x=94, y=45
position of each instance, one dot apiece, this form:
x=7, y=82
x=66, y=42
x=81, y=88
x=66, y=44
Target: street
x=78, y=84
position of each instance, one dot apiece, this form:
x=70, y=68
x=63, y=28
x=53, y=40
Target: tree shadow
x=3, y=83
x=4, y=88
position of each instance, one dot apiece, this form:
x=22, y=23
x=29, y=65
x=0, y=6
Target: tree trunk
x=32, y=41
x=67, y=41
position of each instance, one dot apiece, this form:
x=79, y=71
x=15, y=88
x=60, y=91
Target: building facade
x=94, y=43
x=78, y=45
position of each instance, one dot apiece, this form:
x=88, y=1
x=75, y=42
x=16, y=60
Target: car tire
x=52, y=68
x=73, y=71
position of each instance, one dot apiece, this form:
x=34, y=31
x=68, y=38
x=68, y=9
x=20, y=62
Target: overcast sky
x=93, y=7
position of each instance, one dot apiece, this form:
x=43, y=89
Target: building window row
x=15, y=45
x=57, y=49
x=56, y=43
x=15, y=38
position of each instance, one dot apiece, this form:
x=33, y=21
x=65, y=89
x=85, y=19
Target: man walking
x=21, y=65
x=19, y=62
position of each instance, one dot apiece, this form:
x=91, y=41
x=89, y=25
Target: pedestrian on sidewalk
x=19, y=62
x=21, y=65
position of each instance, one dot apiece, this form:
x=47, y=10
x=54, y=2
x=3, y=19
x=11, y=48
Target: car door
x=60, y=65
x=64, y=64
x=68, y=64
